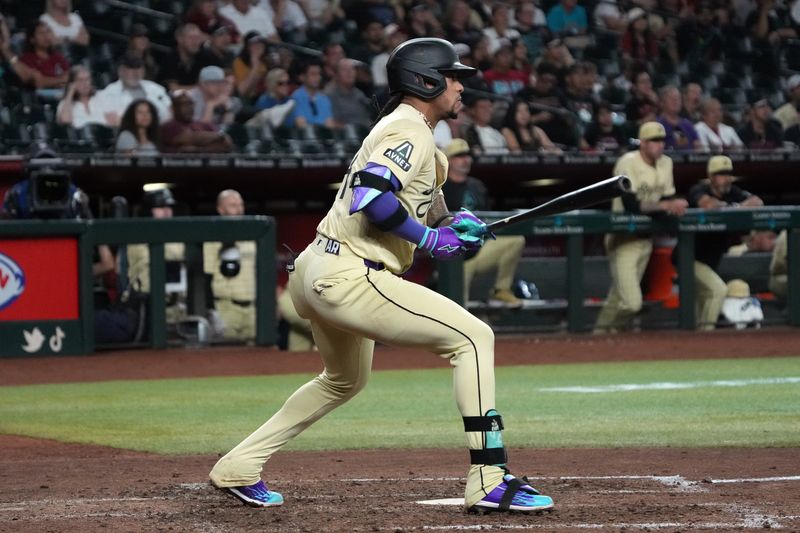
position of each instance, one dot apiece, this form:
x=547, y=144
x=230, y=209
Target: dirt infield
x=52, y=486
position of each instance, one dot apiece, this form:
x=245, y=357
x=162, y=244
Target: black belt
x=374, y=265
x=240, y=303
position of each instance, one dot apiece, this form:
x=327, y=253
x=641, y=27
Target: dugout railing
x=49, y=263
x=574, y=225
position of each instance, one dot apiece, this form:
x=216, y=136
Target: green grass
x=417, y=409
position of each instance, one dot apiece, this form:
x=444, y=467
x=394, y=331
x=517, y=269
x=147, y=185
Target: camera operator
x=47, y=191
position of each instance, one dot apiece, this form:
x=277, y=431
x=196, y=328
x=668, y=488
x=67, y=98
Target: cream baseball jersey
x=649, y=184
x=400, y=144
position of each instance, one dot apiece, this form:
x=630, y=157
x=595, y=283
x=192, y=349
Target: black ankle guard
x=483, y=423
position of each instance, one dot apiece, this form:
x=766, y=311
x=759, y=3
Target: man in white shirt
x=287, y=17
x=481, y=135
x=131, y=85
x=713, y=134
x=247, y=17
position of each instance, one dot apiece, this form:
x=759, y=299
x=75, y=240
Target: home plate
x=443, y=501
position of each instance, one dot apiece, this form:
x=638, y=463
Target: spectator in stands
x=288, y=18
x=754, y=242
x=699, y=38
x=80, y=105
x=214, y=102
x=48, y=66
x=577, y=96
x=641, y=90
x=761, y=131
x=503, y=254
x=787, y=113
x=312, y=106
x=715, y=135
x=779, y=270
x=394, y=36
x=557, y=58
x=332, y=53
x=532, y=28
x=275, y=104
x=248, y=18
x=139, y=45
x=481, y=135
x=204, y=15
x=216, y=50
x=231, y=268
x=692, y=98
x=14, y=70
x=521, y=134
x=716, y=192
x=184, y=134
x=608, y=17
x=349, y=105
x=650, y=172
x=250, y=66
x=503, y=79
x=131, y=85
x=180, y=68
x=158, y=204
x=768, y=28
x=545, y=101
x=67, y=25
x=500, y=29
x=325, y=19
x=422, y=22
x=371, y=43
x=603, y=135
x=461, y=23
x=681, y=134
x=567, y=18
x=638, y=43
x=139, y=130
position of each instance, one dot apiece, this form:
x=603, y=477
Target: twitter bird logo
x=33, y=340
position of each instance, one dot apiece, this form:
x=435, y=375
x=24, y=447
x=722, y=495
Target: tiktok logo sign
x=12, y=281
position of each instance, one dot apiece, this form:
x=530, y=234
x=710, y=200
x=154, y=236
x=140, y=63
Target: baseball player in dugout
x=232, y=267
x=158, y=204
x=716, y=192
x=347, y=283
x=653, y=193
x=502, y=254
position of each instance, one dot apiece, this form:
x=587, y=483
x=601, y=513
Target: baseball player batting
x=347, y=283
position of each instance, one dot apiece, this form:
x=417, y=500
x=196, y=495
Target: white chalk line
x=671, y=385
x=757, y=479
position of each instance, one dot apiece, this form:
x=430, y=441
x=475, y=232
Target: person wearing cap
x=181, y=67
x=653, y=192
x=501, y=255
x=502, y=77
x=716, y=192
x=213, y=102
x=158, y=204
x=183, y=134
x=787, y=113
x=249, y=18
x=715, y=135
x=761, y=131
x=216, y=50
x=131, y=85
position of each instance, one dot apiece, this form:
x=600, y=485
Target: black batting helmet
x=158, y=198
x=418, y=63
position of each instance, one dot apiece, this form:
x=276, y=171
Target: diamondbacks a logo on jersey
x=400, y=155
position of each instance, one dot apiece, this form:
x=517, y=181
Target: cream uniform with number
x=628, y=255
x=352, y=305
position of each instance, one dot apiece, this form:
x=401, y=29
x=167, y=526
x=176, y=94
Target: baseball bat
x=602, y=191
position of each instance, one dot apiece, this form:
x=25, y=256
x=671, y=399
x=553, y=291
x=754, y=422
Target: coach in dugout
x=715, y=192
x=653, y=192
x=502, y=254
